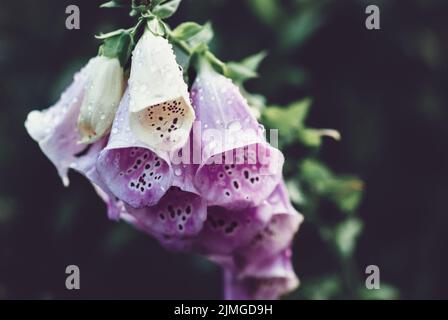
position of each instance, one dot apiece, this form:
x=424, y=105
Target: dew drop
x=235, y=126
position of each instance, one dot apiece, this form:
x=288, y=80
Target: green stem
x=137, y=26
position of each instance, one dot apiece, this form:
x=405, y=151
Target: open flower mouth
x=164, y=124
x=225, y=230
x=242, y=181
x=135, y=175
x=268, y=279
x=178, y=215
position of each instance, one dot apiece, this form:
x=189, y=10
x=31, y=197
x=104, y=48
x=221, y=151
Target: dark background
x=384, y=90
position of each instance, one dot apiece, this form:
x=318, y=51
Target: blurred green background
x=384, y=90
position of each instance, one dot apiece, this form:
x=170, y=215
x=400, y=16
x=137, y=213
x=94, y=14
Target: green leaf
x=155, y=3
x=186, y=31
x=302, y=26
x=239, y=72
x=118, y=46
x=322, y=288
x=112, y=4
x=166, y=10
x=346, y=192
x=313, y=137
x=287, y=120
x=253, y=62
x=295, y=193
x=316, y=176
x=386, y=292
x=246, y=69
x=111, y=34
x=346, y=234
x=202, y=38
x=267, y=10
x=139, y=9
x=310, y=138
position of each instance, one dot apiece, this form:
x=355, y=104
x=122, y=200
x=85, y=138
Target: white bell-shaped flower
x=161, y=114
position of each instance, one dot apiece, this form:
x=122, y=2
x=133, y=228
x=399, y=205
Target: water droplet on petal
x=235, y=126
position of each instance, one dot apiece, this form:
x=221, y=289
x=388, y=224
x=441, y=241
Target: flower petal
x=55, y=129
x=278, y=233
x=237, y=186
x=225, y=231
x=115, y=207
x=184, y=167
x=168, y=242
x=161, y=113
x=133, y=172
x=183, y=177
x=86, y=163
x=239, y=169
x=178, y=214
x=268, y=280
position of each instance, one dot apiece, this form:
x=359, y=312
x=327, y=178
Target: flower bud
x=104, y=89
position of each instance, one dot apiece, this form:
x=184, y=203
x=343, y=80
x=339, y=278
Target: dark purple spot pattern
x=135, y=175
